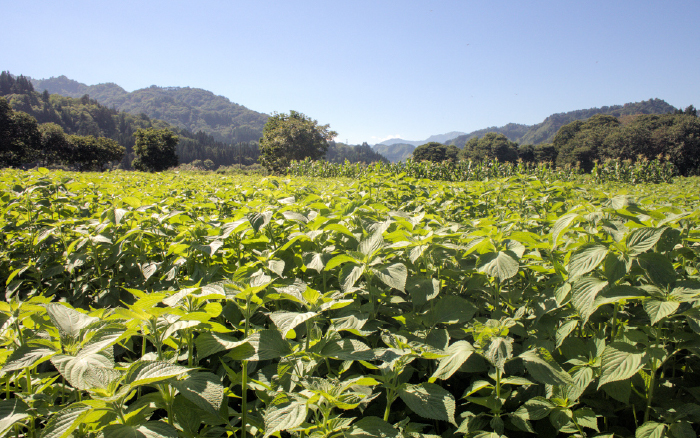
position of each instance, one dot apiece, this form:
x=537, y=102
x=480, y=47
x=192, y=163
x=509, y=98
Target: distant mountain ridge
x=544, y=132
x=194, y=109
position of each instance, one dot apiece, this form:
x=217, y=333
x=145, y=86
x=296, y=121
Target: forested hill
x=86, y=116
x=188, y=108
x=545, y=131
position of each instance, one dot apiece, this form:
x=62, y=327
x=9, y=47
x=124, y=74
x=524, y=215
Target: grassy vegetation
x=193, y=304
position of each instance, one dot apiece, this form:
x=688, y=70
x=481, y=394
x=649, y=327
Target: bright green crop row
x=149, y=305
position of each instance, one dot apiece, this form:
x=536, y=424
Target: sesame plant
x=190, y=305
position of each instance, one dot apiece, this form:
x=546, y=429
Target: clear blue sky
x=373, y=69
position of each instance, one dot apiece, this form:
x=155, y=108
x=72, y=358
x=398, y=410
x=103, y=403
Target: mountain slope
x=188, y=108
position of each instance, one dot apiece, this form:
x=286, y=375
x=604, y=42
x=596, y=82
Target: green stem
x=244, y=398
x=652, y=382
x=29, y=380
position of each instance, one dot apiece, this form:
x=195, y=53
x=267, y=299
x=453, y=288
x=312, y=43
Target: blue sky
x=373, y=69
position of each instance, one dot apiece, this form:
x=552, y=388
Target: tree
x=292, y=136
x=92, y=153
x=580, y=142
x=55, y=146
x=155, y=150
x=20, y=139
x=490, y=146
x=435, y=152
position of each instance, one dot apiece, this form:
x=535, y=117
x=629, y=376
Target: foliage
x=435, y=152
x=340, y=152
x=92, y=153
x=640, y=171
x=217, y=306
x=186, y=108
x=489, y=147
x=19, y=136
x=395, y=152
x=155, y=150
x=292, y=136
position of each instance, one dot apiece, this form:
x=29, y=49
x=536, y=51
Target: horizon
x=374, y=71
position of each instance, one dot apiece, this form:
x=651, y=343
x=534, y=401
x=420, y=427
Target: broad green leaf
x=86, y=371
x=259, y=220
x=286, y=321
x=650, y=429
x=422, y=289
x=373, y=427
x=149, y=429
x=543, y=368
x=103, y=338
x=564, y=331
x=12, y=411
x=586, y=259
x=658, y=310
x=393, y=276
x=535, y=409
x=68, y=321
x=620, y=390
x=145, y=372
x=27, y=356
x=349, y=274
x=658, y=267
x=339, y=260
x=264, y=345
x=348, y=349
x=209, y=343
x=560, y=226
x=283, y=417
x=585, y=417
x=429, y=401
x=643, y=239
x=458, y=353
x=682, y=429
x=502, y=265
x=620, y=361
x=371, y=245
x=584, y=293
x=66, y=421
x=451, y=309
x=499, y=351
x=202, y=388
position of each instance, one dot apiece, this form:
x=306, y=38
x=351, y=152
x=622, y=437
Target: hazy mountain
x=395, y=152
x=441, y=138
x=189, y=108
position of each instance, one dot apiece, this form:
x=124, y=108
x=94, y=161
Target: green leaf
x=452, y=309
x=264, y=345
x=651, y=429
x=560, y=226
x=586, y=259
x=620, y=390
x=502, y=265
x=203, y=389
x=68, y=321
x=658, y=267
x=564, y=331
x=86, y=371
x=286, y=321
x=373, y=427
x=543, y=368
x=583, y=295
x=347, y=349
x=149, y=429
x=145, y=372
x=209, y=343
x=393, y=275
x=620, y=361
x=499, y=351
x=259, y=220
x=535, y=409
x=339, y=260
x=27, y=356
x=103, y=338
x=12, y=411
x=458, y=353
x=658, y=310
x=66, y=421
x=682, y=429
x=587, y=418
x=643, y=239
x=429, y=401
x=422, y=289
x=349, y=274
x=283, y=417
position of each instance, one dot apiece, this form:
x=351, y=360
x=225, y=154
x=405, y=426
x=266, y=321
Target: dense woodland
x=187, y=108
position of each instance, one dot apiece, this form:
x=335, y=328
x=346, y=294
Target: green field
x=183, y=304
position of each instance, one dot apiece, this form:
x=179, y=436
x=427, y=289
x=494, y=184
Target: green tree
x=155, y=150
x=20, y=139
x=92, y=153
x=435, y=152
x=292, y=136
x=490, y=146
x=55, y=146
x=581, y=142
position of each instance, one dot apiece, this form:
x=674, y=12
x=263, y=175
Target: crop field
x=203, y=305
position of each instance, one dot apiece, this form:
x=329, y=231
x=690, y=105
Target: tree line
x=673, y=137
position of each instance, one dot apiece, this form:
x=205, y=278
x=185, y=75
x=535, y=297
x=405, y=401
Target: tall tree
x=19, y=136
x=435, y=152
x=93, y=153
x=490, y=146
x=155, y=150
x=292, y=136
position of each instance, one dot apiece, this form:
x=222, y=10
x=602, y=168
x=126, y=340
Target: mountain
x=545, y=131
x=396, y=151
x=188, y=108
